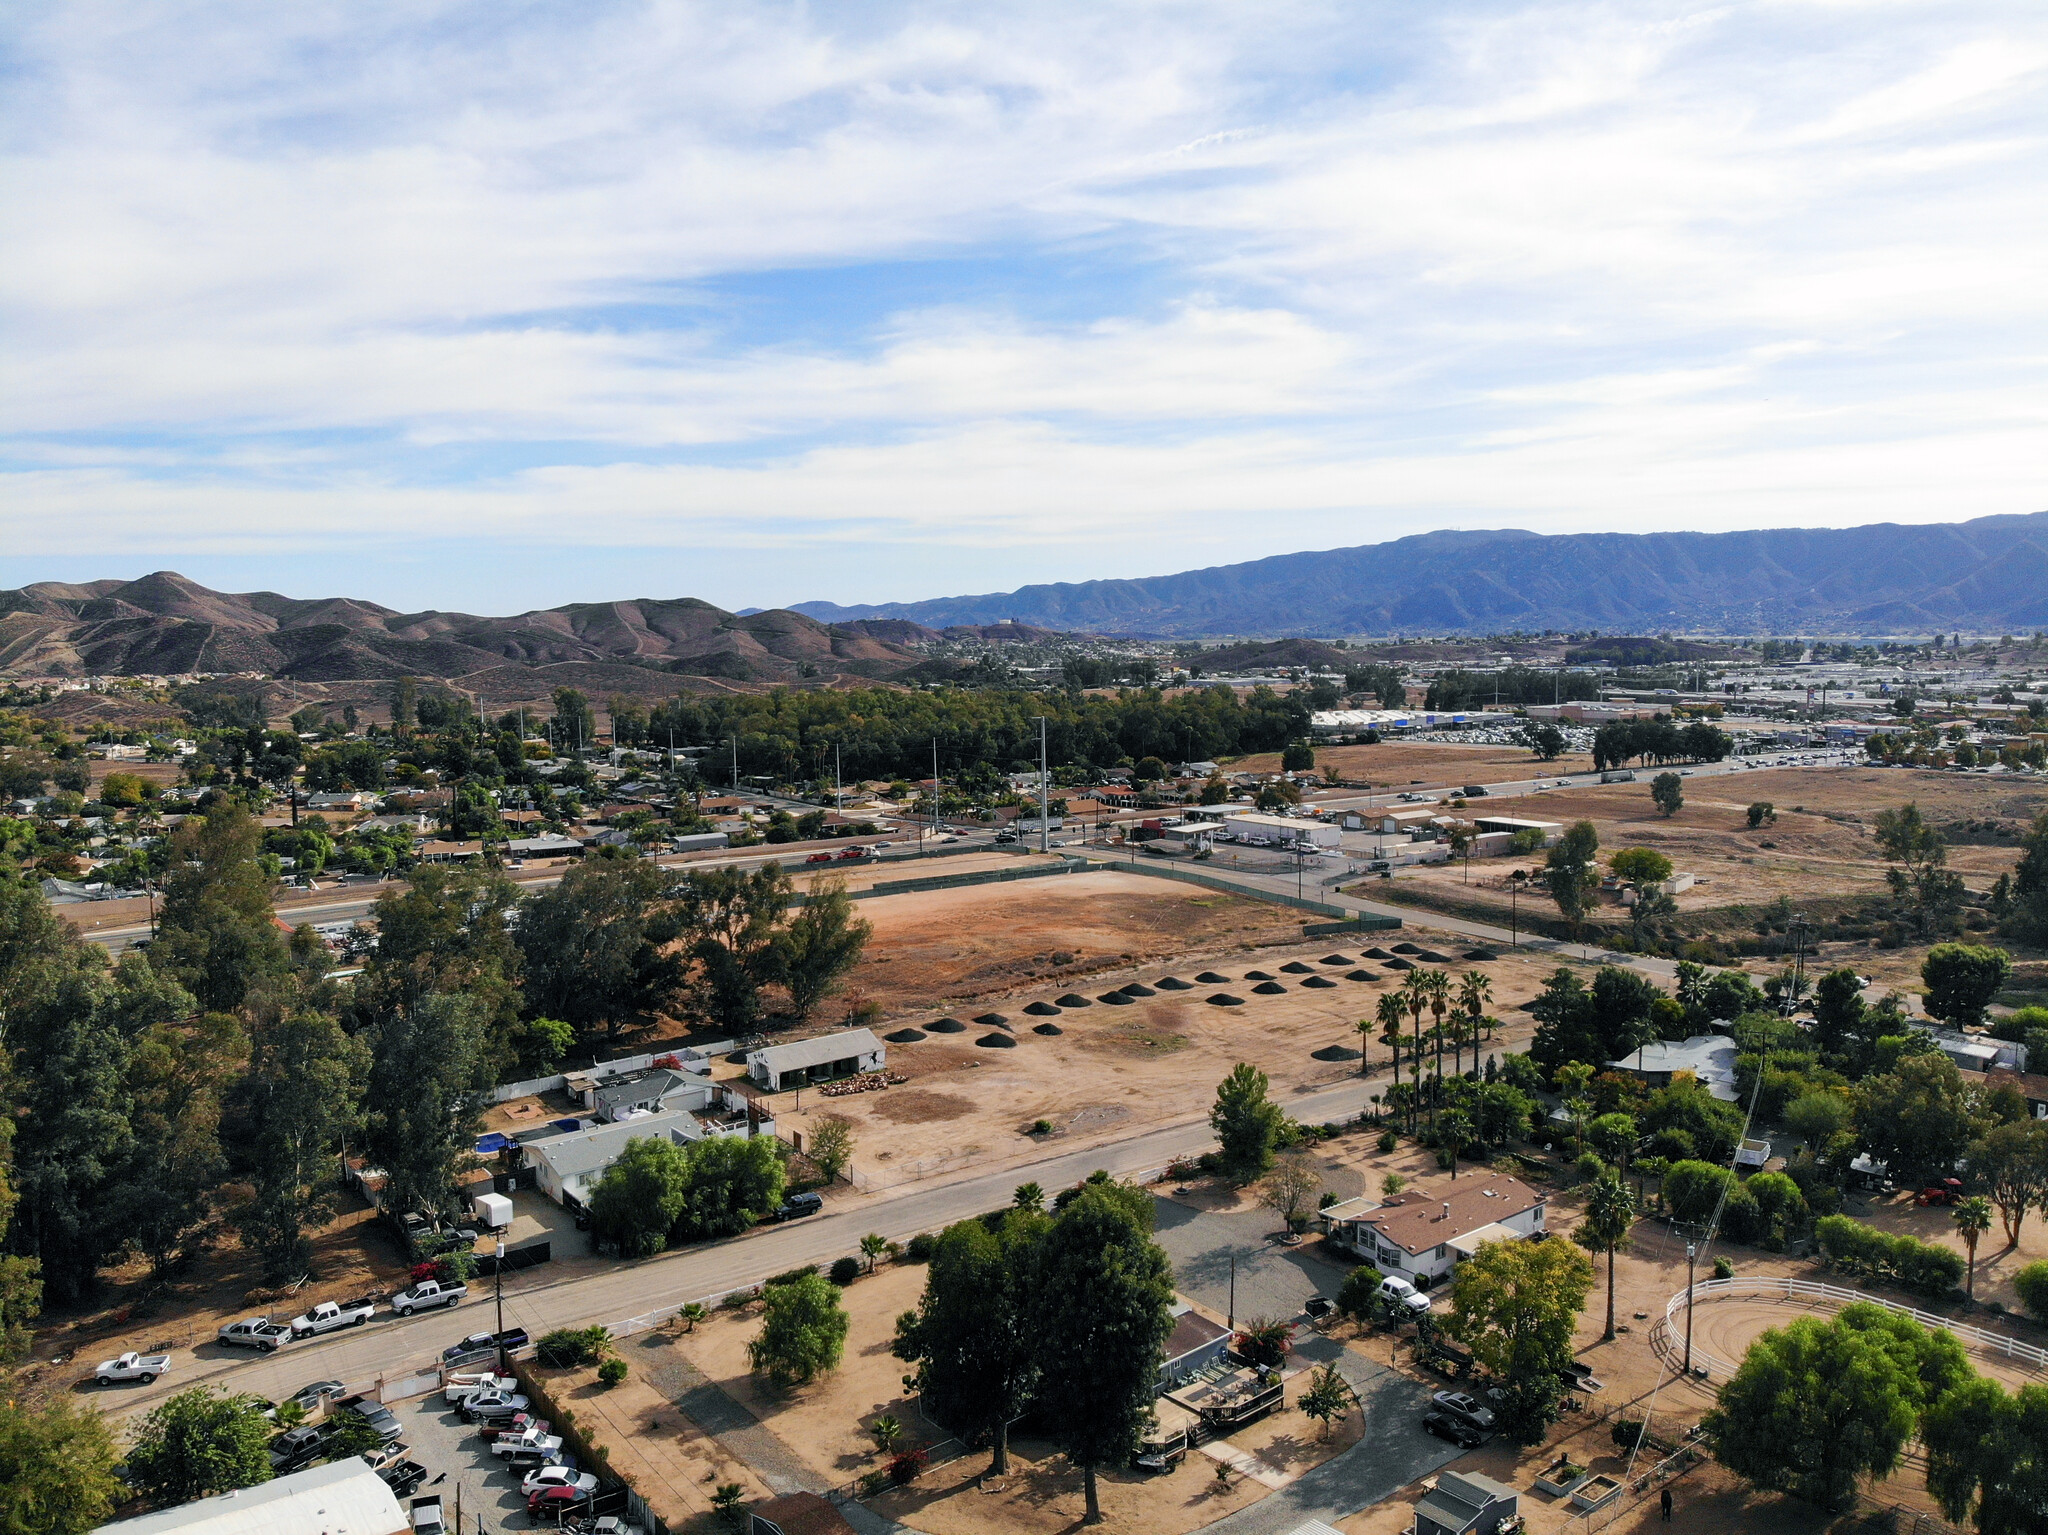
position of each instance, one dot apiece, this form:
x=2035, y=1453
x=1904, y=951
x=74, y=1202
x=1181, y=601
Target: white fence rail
x=1812, y=1293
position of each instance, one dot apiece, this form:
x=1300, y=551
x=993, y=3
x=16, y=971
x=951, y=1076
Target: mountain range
x=1990, y=574
x=164, y=624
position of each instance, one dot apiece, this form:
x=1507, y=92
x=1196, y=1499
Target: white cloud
x=1544, y=267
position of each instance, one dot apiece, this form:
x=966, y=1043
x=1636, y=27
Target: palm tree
x=1474, y=992
x=1389, y=1015
x=1973, y=1219
x=1412, y=993
x=1610, y=1213
x=1435, y=986
x=1454, y=1134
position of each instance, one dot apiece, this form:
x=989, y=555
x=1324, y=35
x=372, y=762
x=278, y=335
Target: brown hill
x=164, y=623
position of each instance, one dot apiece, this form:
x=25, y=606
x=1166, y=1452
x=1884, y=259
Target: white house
x=567, y=1167
x=1710, y=1057
x=1250, y=826
x=841, y=1054
x=1423, y=1234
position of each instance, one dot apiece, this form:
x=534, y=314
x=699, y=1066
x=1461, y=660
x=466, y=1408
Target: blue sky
x=494, y=307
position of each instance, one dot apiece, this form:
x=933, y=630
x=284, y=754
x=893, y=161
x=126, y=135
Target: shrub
x=1724, y=1268
x=791, y=1276
x=1626, y=1432
x=613, y=1371
x=1672, y=1145
x=872, y=1482
x=908, y=1467
x=1741, y=1218
x=1926, y=1267
x=2032, y=1284
x=844, y=1271
x=569, y=1346
x=1589, y=1168
x=1388, y=1140
x=1849, y=1244
x=921, y=1247
x=1692, y=1189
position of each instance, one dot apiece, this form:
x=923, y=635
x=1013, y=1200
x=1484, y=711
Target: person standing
x=1664, y=1502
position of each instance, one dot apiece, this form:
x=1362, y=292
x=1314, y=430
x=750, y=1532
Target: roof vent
x=1447, y=1211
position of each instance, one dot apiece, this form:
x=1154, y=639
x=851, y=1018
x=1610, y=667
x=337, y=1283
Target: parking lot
x=462, y=1470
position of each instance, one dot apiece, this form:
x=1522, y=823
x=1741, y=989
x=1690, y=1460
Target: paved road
x=538, y=1302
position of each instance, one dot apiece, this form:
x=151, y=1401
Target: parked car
x=1398, y=1293
x=819, y=858
x=403, y=1477
x=552, y=1502
x=512, y=1427
x=378, y=1416
x=1459, y=1405
x=333, y=1315
x=257, y=1332
x=493, y=1404
x=311, y=1396
x=296, y=1448
x=1457, y=1430
x=469, y=1385
x=425, y=1517
x=426, y=1295
x=142, y=1368
x=799, y=1205
x=853, y=853
x=475, y=1343
x=556, y=1476
x=512, y=1448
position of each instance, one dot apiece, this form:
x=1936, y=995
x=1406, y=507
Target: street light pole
x=1044, y=820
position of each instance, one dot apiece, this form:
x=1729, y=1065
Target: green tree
x=1762, y=813
x=640, y=1197
x=1838, y=1008
x=1327, y=1396
x=1639, y=865
x=200, y=1442
x=831, y=1144
x=1571, y=873
x=1299, y=757
x=1247, y=1123
x=1610, y=1216
x=1102, y=1304
x=57, y=1464
x=1514, y=1305
x=1961, y=978
x=1693, y=1190
x=599, y=947
x=822, y=943
x=1919, y=1118
x=1987, y=1456
x=971, y=1338
x=1667, y=793
x=803, y=1332
x=177, y=1074
x=2011, y=1161
x=1359, y=1296
x=1918, y=857
x=216, y=934
x=449, y=929
x=734, y=1180
x=429, y=1070
x=304, y=1080
x=1817, y=1403
x=730, y=918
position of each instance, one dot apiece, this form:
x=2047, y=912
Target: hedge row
x=1923, y=1267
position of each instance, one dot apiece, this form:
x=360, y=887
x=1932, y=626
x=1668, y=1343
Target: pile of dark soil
x=1334, y=1053
x=1268, y=988
x=1114, y=999
x=1047, y=1028
x=1174, y=983
x=1073, y=999
x=905, y=1036
x=1225, y=999
x=1320, y=982
x=947, y=1026
x=996, y=1042
x=1335, y=959
x=991, y=1020
x=1295, y=967
x=1042, y=1010
x=1211, y=978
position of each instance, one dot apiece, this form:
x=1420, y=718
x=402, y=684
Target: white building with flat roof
x=1251, y=826
x=344, y=1497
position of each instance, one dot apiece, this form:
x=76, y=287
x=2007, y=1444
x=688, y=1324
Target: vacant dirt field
x=943, y=947
x=1405, y=764
x=1111, y=1069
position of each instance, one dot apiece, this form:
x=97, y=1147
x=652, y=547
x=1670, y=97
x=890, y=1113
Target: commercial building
x=342, y=1498
x=781, y=1067
x=1423, y=1234
x=1551, y=830
x=1251, y=826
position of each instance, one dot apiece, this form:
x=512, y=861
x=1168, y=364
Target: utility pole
x=735, y=763
x=1044, y=821
x=837, y=771
x=935, y=791
x=1690, y=1249
x=501, y=1308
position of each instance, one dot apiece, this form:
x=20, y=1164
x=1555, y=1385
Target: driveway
x=445, y=1443
x=1271, y=1280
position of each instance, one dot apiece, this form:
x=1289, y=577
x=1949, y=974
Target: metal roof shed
x=804, y=1061
x=344, y=1498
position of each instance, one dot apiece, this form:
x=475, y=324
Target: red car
x=819, y=858
x=553, y=1502
x=854, y=852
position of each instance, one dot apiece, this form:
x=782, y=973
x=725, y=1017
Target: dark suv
x=799, y=1205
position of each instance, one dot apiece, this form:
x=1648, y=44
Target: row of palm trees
x=1461, y=1000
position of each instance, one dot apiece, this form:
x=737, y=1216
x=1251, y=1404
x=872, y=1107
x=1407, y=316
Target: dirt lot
x=1403, y=764
x=1113, y=1069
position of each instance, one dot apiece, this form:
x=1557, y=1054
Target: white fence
x=1831, y=1297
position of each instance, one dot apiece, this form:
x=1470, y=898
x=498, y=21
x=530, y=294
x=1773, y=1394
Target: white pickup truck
x=138, y=1367
x=426, y=1295
x=332, y=1315
x=258, y=1332
x=425, y=1516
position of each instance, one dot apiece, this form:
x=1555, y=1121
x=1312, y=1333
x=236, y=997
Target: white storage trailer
x=494, y=1210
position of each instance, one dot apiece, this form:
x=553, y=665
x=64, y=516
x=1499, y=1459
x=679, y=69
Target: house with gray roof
x=1709, y=1057
x=568, y=1166
x=1465, y=1503
x=802, y=1062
